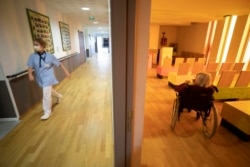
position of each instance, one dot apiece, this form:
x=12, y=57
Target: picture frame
x=40, y=28
x=65, y=36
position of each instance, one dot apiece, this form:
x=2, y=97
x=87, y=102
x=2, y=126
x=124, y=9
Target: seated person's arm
x=180, y=87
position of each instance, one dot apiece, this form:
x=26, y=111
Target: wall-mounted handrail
x=19, y=74
x=25, y=72
x=66, y=57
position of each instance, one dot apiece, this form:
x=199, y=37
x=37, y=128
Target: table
x=237, y=113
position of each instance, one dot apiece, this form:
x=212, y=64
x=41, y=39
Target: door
x=82, y=46
x=129, y=50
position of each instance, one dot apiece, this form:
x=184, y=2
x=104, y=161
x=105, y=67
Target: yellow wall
x=236, y=39
x=192, y=38
x=153, y=36
x=215, y=46
x=170, y=34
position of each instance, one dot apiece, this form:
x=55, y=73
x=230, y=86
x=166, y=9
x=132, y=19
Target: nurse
x=42, y=63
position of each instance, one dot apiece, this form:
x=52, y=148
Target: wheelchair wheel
x=174, y=115
x=210, y=122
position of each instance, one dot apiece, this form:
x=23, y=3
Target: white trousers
x=48, y=92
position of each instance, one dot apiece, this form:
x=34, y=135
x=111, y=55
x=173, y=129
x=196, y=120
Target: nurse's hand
x=31, y=78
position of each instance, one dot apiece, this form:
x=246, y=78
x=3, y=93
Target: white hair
x=203, y=79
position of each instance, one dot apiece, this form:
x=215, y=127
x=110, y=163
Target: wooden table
x=237, y=113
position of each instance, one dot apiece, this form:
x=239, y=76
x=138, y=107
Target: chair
x=225, y=67
x=211, y=66
x=197, y=67
x=178, y=60
x=179, y=76
x=201, y=60
x=243, y=79
x=226, y=78
x=191, y=61
x=248, y=66
x=238, y=67
x=213, y=76
x=183, y=69
x=162, y=71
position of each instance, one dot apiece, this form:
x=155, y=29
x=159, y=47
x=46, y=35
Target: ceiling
x=163, y=12
x=72, y=9
x=182, y=12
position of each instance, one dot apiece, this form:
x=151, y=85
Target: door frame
x=129, y=51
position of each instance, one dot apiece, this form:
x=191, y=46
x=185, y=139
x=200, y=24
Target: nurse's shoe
x=45, y=116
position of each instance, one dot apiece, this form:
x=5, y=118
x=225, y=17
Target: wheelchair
x=199, y=99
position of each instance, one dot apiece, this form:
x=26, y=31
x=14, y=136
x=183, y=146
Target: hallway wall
x=16, y=40
x=17, y=44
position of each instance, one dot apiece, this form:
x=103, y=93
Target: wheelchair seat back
x=194, y=97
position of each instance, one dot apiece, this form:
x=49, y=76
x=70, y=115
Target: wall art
x=40, y=28
x=65, y=36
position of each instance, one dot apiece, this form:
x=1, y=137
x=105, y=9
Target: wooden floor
x=79, y=133
x=186, y=146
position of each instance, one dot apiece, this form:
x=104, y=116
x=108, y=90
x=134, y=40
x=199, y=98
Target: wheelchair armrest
x=215, y=88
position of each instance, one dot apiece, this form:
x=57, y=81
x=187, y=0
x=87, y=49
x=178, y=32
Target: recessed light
x=85, y=8
x=95, y=22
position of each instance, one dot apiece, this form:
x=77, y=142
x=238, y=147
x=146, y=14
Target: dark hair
x=41, y=42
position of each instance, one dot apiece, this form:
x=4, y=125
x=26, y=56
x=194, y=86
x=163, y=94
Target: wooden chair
x=248, y=66
x=201, y=60
x=243, y=79
x=225, y=67
x=238, y=67
x=162, y=71
x=211, y=66
x=178, y=60
x=183, y=69
x=197, y=67
x=213, y=76
x=226, y=78
x=180, y=76
x=191, y=61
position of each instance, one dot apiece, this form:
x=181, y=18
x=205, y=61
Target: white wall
x=1, y=73
x=140, y=73
x=15, y=35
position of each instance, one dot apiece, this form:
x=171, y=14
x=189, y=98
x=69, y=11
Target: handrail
x=66, y=57
x=19, y=74
x=24, y=72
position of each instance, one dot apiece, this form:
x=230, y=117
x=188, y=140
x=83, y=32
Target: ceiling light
x=95, y=22
x=85, y=8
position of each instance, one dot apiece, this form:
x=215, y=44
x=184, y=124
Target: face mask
x=37, y=48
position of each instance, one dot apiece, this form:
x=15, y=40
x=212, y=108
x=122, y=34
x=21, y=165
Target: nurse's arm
x=65, y=70
x=30, y=74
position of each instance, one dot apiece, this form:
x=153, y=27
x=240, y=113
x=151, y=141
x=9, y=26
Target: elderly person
x=203, y=79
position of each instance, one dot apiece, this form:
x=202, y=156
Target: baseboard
x=9, y=119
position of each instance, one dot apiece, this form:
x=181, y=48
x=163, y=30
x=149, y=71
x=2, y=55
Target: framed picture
x=65, y=36
x=40, y=28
